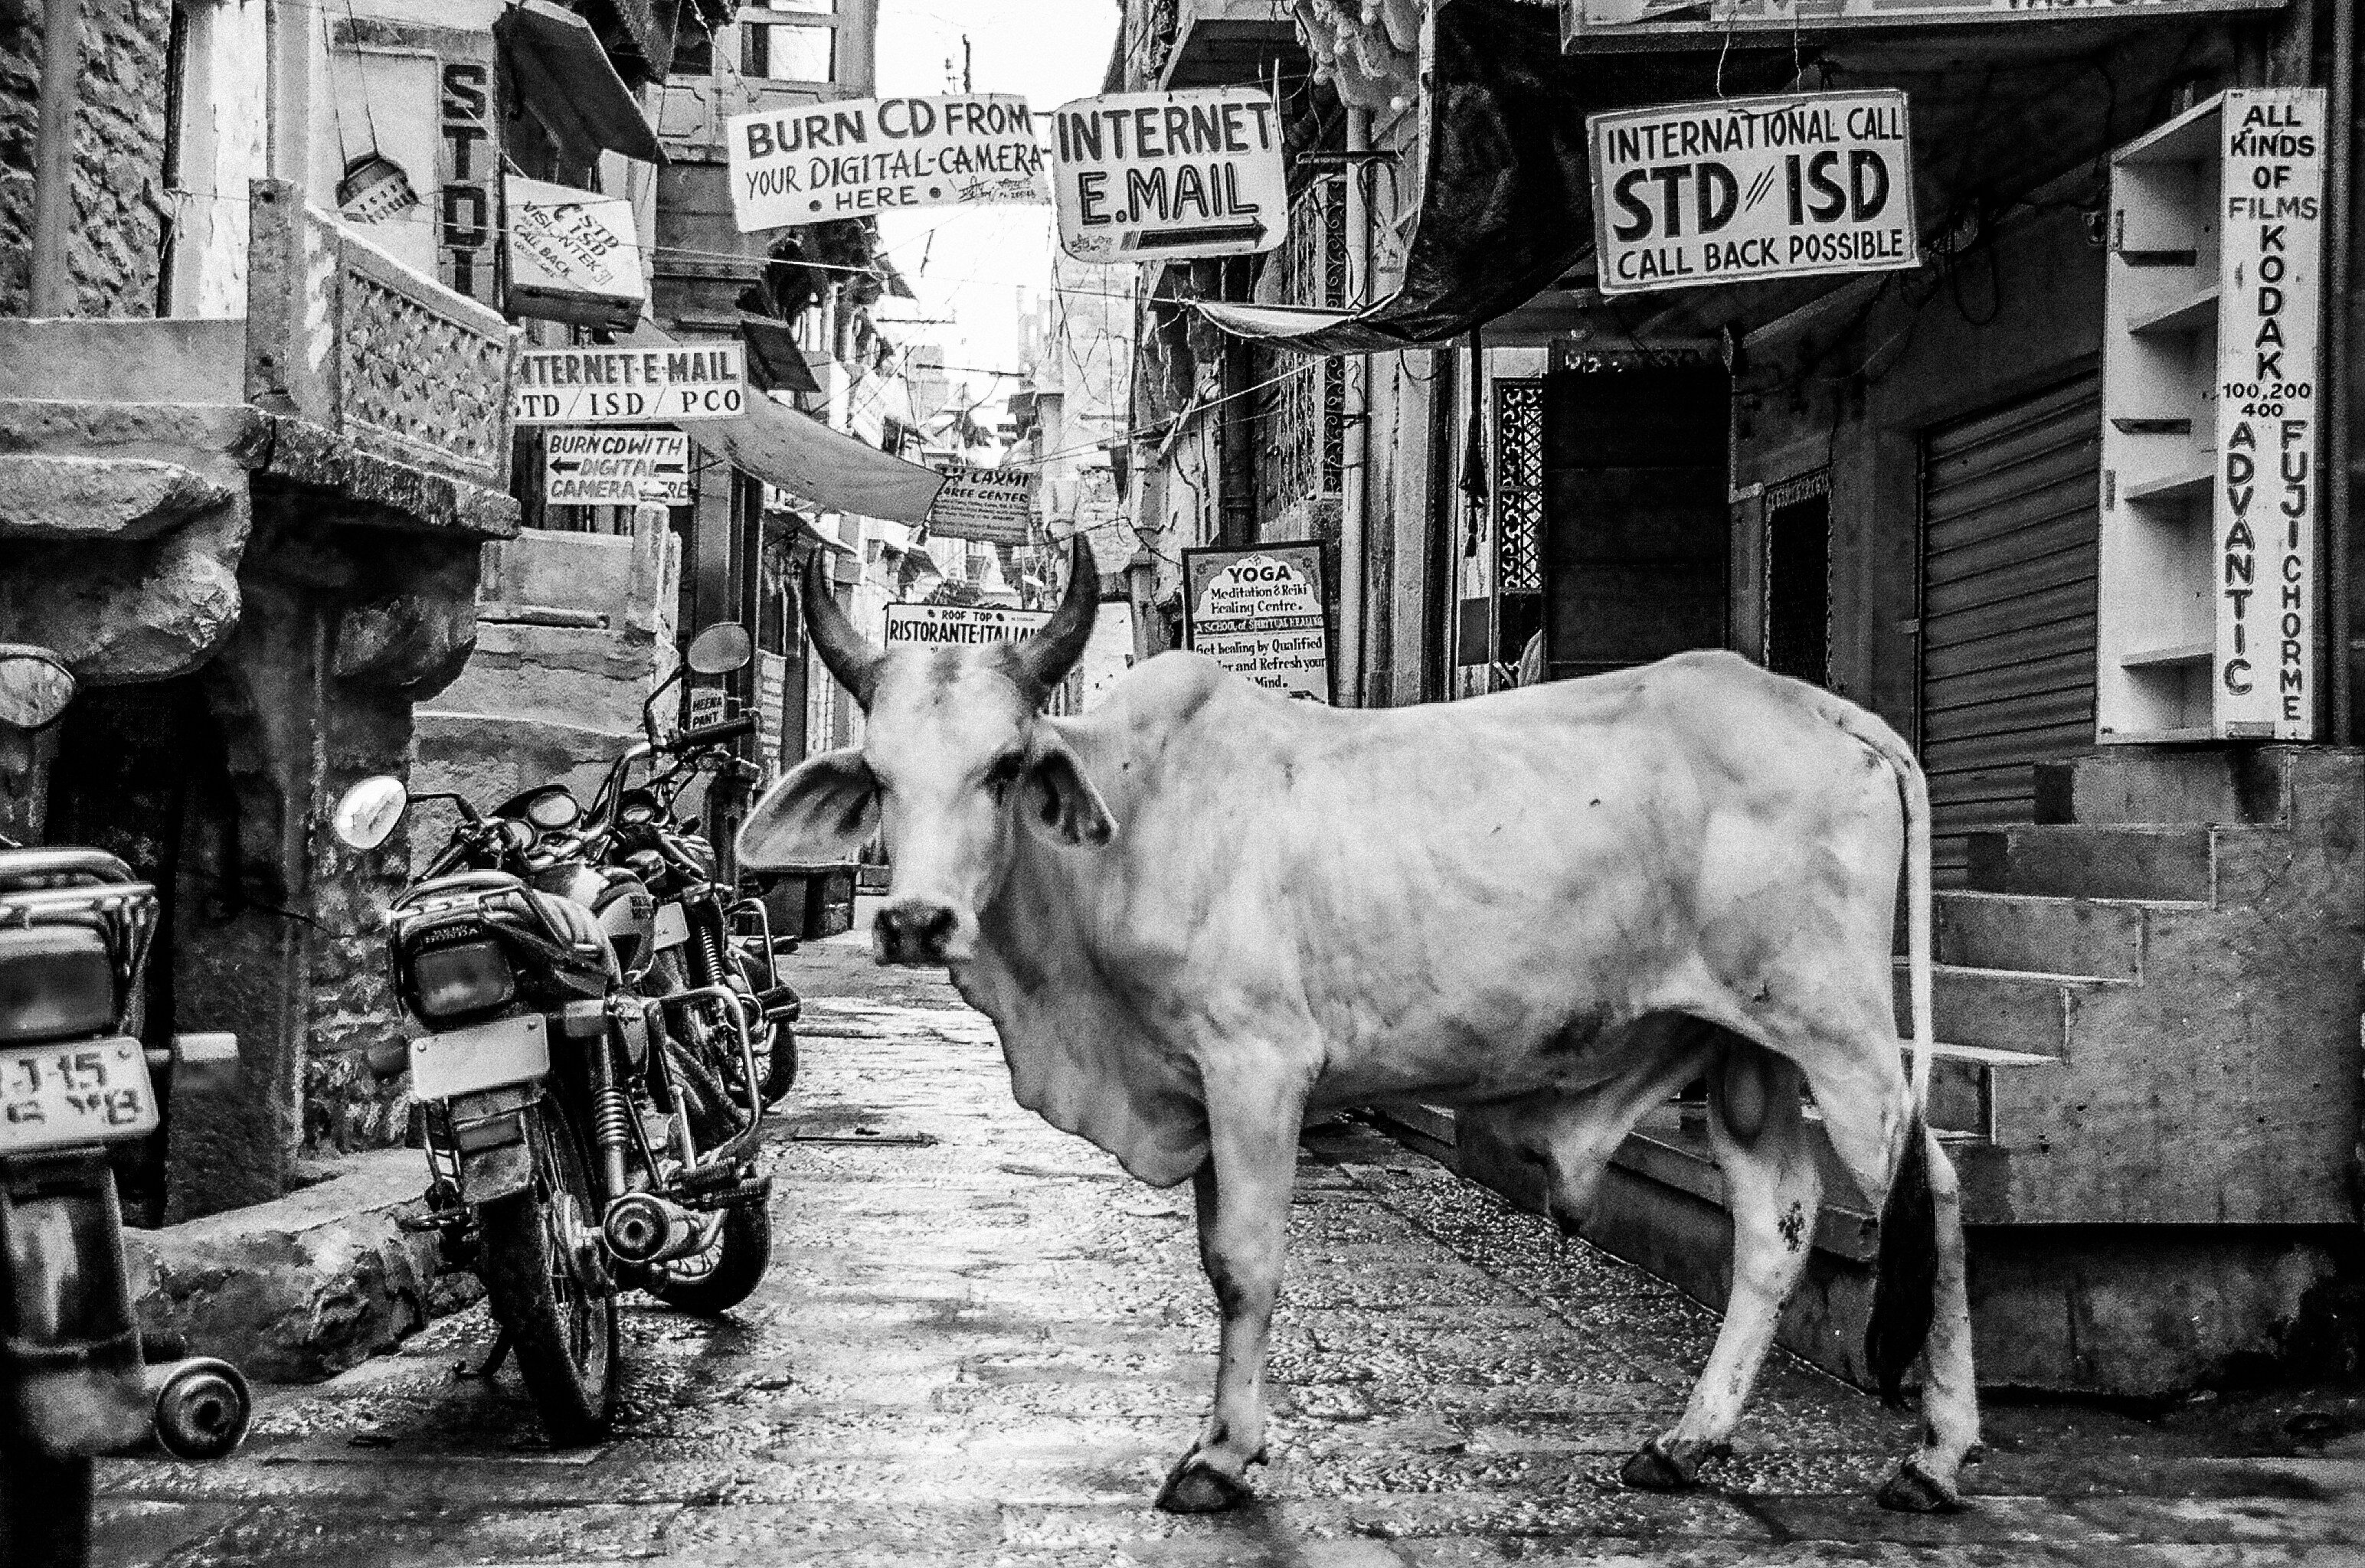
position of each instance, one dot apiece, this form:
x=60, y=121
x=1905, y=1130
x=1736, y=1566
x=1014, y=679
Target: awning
x=570, y=85
x=808, y=459
x=775, y=361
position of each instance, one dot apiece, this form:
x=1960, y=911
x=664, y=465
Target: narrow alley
x=982, y=1344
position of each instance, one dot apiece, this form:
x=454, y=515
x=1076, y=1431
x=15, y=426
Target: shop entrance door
x=1635, y=531
x=2009, y=511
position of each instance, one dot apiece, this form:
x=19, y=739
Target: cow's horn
x=1051, y=650
x=848, y=655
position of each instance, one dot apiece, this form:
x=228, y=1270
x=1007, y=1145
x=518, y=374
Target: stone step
x=2102, y=938
x=2172, y=863
x=2006, y=1010
x=2127, y=786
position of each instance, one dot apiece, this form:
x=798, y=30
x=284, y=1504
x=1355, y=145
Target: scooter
x=75, y=1084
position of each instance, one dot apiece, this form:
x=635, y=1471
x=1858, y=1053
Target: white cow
x=1202, y=912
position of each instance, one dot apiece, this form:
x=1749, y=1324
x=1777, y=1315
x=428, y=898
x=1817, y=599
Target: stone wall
x=118, y=150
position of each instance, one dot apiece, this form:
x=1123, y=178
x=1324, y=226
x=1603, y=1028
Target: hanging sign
x=1259, y=613
x=1163, y=175
x=813, y=163
x=615, y=467
x=996, y=505
x=1741, y=189
x=574, y=255
x=2269, y=335
x=629, y=386
x=957, y=625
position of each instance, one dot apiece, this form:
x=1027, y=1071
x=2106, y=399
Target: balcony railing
x=342, y=334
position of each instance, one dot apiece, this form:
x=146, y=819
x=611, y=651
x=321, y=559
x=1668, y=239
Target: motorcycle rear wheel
x=565, y=1337
x=44, y=1507
x=724, y=1275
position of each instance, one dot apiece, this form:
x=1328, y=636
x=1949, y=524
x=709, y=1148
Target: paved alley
x=981, y=1344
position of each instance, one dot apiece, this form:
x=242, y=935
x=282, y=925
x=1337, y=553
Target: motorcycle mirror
x=365, y=817
x=721, y=648
x=35, y=685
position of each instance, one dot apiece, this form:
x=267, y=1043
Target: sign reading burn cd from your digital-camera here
x=813, y=163
x=1159, y=176
x=1743, y=189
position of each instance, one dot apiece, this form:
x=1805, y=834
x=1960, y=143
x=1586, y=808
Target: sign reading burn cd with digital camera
x=1158, y=176
x=1740, y=189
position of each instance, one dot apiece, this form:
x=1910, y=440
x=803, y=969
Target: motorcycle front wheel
x=780, y=1064
x=726, y=1272
x=44, y=1507
x=565, y=1335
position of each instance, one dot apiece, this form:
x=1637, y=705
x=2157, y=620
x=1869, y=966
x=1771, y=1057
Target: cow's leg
x=1571, y=1135
x=1867, y=1110
x=1243, y=1201
x=1772, y=1191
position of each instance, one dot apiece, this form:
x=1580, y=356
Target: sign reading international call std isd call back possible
x=1687, y=195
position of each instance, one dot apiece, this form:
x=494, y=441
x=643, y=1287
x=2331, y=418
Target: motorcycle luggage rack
x=735, y=1007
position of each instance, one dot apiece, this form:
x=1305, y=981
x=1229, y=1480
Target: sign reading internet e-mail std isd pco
x=1686, y=195
x=615, y=467
x=630, y=387
x=811, y=163
x=1156, y=176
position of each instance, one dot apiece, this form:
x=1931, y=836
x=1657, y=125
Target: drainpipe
x=2340, y=359
x=1352, y=528
x=53, y=159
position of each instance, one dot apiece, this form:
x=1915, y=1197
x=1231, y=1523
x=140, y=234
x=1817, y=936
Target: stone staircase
x=2147, y=1001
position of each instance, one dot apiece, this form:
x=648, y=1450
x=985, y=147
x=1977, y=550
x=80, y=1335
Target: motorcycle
x=76, y=1084
x=565, y=1166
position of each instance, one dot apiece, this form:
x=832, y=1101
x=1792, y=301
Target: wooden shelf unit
x=2173, y=283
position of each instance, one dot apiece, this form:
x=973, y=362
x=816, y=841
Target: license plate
x=61, y=1097
x=489, y=1056
x=673, y=926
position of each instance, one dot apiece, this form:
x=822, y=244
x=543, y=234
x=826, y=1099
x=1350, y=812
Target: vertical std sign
x=2270, y=336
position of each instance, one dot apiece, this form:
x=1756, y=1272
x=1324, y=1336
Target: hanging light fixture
x=375, y=188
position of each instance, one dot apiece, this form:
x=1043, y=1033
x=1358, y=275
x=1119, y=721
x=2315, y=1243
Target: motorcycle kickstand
x=483, y=1371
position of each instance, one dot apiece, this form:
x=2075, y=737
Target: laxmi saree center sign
x=1607, y=22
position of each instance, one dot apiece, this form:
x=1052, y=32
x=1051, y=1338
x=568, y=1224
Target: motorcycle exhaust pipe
x=203, y=1406
x=643, y=1228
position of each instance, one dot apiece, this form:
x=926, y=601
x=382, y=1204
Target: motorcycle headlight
x=57, y=982
x=466, y=977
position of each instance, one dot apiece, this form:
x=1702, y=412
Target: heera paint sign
x=957, y=625
x=1259, y=613
x=629, y=386
x=1155, y=177
x=615, y=467
x=1739, y=189
x=810, y=163
x=2270, y=343
x=996, y=505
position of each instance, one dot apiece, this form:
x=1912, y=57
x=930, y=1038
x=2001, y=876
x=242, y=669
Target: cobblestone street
x=979, y=1343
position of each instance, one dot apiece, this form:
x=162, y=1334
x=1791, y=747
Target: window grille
x=1519, y=485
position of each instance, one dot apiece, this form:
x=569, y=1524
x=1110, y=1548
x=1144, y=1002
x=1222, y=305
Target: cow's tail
x=1904, y=1293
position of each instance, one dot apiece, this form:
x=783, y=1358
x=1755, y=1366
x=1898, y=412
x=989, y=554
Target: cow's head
x=954, y=765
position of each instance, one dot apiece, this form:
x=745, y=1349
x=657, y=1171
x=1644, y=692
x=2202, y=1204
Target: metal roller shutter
x=2009, y=509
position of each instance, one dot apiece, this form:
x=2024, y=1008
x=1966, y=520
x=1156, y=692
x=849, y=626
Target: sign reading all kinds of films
x=1259, y=613
x=1155, y=177
x=2270, y=330
x=573, y=255
x=1583, y=18
x=957, y=625
x=1740, y=189
x=996, y=505
x=629, y=386
x=616, y=467
x=813, y=163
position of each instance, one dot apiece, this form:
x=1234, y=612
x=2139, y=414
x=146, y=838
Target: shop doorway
x=1635, y=525
x=2009, y=508
x=1799, y=578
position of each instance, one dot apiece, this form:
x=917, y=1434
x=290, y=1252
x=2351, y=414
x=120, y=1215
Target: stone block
x=89, y=499
x=2116, y=862
x=300, y=1288
x=2061, y=935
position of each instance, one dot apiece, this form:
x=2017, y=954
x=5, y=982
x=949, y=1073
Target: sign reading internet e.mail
x=615, y=467
x=1153, y=176
x=630, y=387
x=1687, y=195
x=810, y=163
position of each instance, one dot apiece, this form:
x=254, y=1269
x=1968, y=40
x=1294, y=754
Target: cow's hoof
x=1195, y=1486
x=1655, y=1468
x=1914, y=1490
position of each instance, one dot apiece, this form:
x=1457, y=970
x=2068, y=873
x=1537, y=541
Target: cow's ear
x=1060, y=802
x=824, y=811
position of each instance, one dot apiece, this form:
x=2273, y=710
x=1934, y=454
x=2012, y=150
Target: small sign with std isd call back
x=1686, y=196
